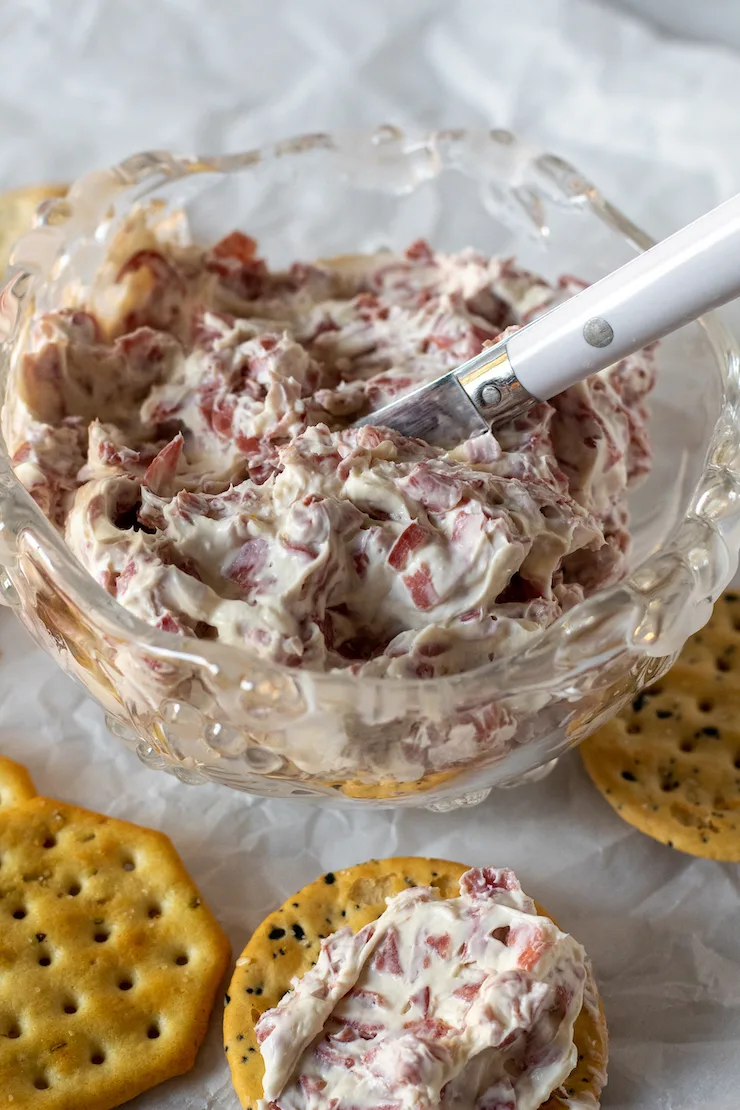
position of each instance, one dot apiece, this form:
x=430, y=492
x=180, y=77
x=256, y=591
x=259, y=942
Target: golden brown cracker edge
x=16, y=784
x=669, y=763
x=389, y=788
x=17, y=209
x=109, y=959
x=288, y=940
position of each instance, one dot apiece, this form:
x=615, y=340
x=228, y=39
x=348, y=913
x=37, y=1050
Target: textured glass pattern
x=204, y=711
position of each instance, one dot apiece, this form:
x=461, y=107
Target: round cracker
x=17, y=210
x=288, y=940
x=109, y=959
x=669, y=763
x=16, y=785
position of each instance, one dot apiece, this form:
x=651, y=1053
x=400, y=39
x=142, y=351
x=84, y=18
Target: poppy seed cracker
x=287, y=943
x=669, y=763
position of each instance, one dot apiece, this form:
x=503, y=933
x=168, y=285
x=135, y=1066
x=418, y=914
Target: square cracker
x=288, y=941
x=109, y=959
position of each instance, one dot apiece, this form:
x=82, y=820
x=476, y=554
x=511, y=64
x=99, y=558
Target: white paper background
x=653, y=119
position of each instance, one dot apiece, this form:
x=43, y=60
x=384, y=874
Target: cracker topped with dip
x=414, y=981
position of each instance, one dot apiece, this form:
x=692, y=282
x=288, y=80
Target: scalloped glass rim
x=690, y=570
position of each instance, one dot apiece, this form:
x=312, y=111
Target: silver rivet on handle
x=598, y=332
x=489, y=395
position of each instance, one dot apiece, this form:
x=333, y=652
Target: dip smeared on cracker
x=186, y=424
x=469, y=1001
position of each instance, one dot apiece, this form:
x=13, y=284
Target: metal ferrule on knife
x=461, y=404
x=691, y=272
x=493, y=387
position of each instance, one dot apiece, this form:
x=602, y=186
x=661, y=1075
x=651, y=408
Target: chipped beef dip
x=186, y=426
x=468, y=1002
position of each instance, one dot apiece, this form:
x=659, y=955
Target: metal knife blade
x=458, y=405
x=441, y=413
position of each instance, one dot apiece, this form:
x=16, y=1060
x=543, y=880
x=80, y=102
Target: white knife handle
x=690, y=273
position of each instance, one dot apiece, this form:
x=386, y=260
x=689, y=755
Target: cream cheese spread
x=468, y=1002
x=187, y=426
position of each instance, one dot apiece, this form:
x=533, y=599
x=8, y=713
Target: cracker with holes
x=409, y=975
x=17, y=209
x=669, y=763
x=109, y=959
x=16, y=785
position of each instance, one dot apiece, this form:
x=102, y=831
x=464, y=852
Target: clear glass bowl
x=204, y=711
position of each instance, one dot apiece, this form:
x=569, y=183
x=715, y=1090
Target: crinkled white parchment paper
x=653, y=120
